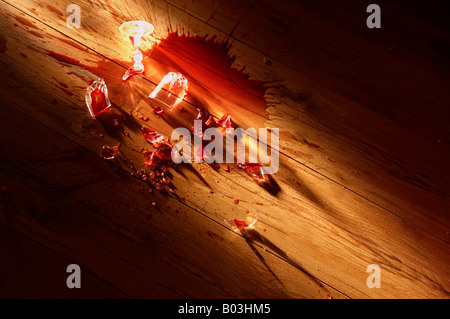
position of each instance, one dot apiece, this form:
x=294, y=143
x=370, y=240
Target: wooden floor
x=364, y=151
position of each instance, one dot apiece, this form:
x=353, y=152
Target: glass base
x=132, y=72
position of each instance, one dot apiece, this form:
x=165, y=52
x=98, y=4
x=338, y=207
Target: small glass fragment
x=159, y=186
x=253, y=169
x=141, y=172
x=240, y=224
x=152, y=136
x=171, y=90
x=225, y=122
x=96, y=97
x=204, y=116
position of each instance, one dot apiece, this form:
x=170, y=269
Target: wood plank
x=61, y=196
x=360, y=149
x=347, y=210
x=28, y=270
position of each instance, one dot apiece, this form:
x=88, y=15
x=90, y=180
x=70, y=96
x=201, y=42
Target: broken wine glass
x=96, y=97
x=225, y=123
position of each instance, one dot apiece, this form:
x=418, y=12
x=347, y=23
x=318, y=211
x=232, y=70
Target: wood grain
x=316, y=220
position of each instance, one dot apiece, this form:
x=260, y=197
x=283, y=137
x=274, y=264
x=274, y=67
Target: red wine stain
x=119, y=92
x=3, y=41
x=26, y=22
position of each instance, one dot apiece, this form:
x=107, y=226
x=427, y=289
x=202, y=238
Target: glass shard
x=152, y=136
x=197, y=130
x=240, y=224
x=96, y=97
x=158, y=110
x=137, y=30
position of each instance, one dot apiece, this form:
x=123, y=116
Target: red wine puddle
x=214, y=85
